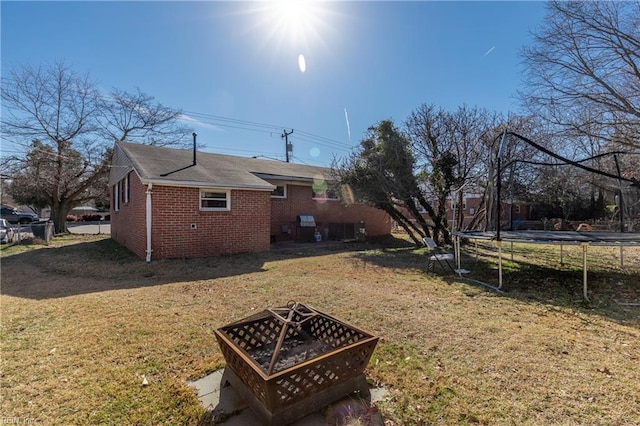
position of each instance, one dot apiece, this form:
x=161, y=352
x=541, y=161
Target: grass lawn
x=83, y=320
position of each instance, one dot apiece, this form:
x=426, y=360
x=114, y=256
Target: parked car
x=6, y=232
x=12, y=215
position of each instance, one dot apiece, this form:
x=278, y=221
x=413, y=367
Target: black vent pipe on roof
x=194, y=147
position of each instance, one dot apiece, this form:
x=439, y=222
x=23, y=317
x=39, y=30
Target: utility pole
x=287, y=147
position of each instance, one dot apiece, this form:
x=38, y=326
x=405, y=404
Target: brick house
x=513, y=211
x=177, y=203
x=514, y=214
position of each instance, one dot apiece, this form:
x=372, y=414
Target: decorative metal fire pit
x=290, y=361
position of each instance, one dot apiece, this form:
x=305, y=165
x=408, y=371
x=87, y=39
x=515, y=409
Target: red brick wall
x=505, y=214
x=243, y=229
x=128, y=224
x=473, y=203
x=246, y=228
x=299, y=201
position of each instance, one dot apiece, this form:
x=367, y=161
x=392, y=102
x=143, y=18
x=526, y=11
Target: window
x=127, y=192
x=323, y=190
x=124, y=190
x=279, y=192
x=516, y=209
x=455, y=205
x=121, y=193
x=328, y=194
x=116, y=196
x=215, y=200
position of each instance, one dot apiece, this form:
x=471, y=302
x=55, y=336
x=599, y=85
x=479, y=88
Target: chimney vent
x=194, y=147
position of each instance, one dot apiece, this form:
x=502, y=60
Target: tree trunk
x=405, y=223
x=59, y=218
x=479, y=216
x=459, y=218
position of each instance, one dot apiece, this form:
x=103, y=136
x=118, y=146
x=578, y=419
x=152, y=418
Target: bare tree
x=135, y=117
x=586, y=57
x=67, y=129
x=453, y=152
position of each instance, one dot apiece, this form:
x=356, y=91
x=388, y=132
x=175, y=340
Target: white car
x=6, y=232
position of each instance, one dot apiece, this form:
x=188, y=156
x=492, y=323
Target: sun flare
x=293, y=17
x=302, y=63
x=297, y=24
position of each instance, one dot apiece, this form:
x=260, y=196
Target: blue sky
x=229, y=65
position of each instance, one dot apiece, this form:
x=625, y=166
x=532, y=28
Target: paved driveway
x=89, y=227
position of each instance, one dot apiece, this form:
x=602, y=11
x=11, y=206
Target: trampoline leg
x=621, y=257
x=561, y=257
x=584, y=272
x=456, y=251
x=499, y=264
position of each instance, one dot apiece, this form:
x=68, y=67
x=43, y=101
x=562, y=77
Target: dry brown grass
x=82, y=321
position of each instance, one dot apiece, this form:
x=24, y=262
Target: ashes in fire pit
x=293, y=351
x=290, y=361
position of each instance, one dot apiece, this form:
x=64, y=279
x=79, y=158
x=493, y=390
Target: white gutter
x=148, y=218
x=209, y=184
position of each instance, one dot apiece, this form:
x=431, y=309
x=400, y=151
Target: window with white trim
x=124, y=190
x=326, y=194
x=116, y=197
x=323, y=190
x=215, y=200
x=127, y=189
x=279, y=192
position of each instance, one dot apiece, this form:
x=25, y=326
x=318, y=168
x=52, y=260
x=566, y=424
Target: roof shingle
x=175, y=166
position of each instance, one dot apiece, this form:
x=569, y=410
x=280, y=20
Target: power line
x=335, y=143
x=274, y=127
x=306, y=163
x=242, y=150
x=258, y=127
x=53, y=155
x=262, y=127
x=265, y=129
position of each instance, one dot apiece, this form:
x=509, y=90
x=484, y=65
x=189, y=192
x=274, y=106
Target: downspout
x=148, y=218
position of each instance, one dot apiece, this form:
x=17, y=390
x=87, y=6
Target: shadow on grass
x=86, y=267
x=530, y=281
x=47, y=272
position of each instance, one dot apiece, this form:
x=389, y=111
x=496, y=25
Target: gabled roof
x=170, y=166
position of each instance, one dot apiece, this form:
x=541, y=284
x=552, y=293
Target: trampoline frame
x=561, y=238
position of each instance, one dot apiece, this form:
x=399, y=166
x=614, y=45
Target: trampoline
x=561, y=238
x=583, y=239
